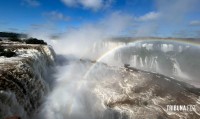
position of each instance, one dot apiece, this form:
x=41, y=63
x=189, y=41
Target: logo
x=183, y=108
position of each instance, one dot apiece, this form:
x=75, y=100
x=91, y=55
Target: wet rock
x=7, y=53
x=23, y=78
x=142, y=94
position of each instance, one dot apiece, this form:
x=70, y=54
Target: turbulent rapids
x=134, y=80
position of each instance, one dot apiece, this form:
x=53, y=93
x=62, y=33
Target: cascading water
x=23, y=79
x=161, y=57
x=104, y=89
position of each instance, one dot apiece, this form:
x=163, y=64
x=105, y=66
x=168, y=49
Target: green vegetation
x=34, y=41
x=12, y=35
x=16, y=37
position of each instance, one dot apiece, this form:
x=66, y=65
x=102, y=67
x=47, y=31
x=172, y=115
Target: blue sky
x=149, y=17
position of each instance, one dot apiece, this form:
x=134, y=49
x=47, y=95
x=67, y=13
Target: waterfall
x=134, y=60
x=24, y=79
x=177, y=70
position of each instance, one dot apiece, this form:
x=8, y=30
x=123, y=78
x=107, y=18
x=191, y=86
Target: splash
x=72, y=94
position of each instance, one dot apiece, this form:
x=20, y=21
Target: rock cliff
x=24, y=71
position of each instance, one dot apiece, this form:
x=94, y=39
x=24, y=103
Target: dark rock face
x=22, y=78
x=6, y=53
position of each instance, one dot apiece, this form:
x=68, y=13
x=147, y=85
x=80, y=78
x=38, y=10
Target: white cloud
x=149, y=16
x=81, y=38
x=95, y=4
x=91, y=4
x=147, y=24
x=55, y=15
x=116, y=23
x=33, y=3
x=175, y=11
x=195, y=23
x=170, y=16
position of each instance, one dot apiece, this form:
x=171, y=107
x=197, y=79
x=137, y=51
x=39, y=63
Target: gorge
x=118, y=80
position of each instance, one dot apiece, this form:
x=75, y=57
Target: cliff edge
x=24, y=71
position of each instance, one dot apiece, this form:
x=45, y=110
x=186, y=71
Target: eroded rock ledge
x=24, y=74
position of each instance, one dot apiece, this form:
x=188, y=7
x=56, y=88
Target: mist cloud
x=83, y=37
x=71, y=96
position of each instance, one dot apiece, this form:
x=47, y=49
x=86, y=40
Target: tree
x=34, y=41
x=14, y=38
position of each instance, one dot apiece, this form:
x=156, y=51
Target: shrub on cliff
x=0, y=39
x=34, y=41
x=16, y=39
x=12, y=34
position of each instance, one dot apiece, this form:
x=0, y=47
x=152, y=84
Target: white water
x=153, y=60
x=35, y=66
x=73, y=95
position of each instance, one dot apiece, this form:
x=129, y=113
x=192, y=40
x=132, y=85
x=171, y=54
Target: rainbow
x=102, y=57
x=184, y=41
x=113, y=49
